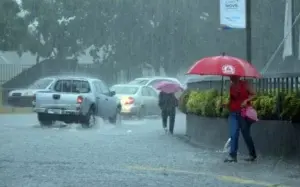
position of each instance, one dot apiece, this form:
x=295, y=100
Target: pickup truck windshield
x=72, y=86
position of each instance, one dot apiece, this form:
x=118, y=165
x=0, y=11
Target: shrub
x=291, y=107
x=265, y=106
x=183, y=99
x=269, y=106
x=202, y=102
x=220, y=111
x=195, y=102
x=209, y=103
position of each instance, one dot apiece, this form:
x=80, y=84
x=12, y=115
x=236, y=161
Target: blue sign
x=233, y=14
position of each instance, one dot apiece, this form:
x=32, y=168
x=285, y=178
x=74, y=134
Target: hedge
x=280, y=106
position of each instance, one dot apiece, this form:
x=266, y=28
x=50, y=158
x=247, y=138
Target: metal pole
x=248, y=32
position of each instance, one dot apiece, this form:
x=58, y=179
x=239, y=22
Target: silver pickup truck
x=76, y=100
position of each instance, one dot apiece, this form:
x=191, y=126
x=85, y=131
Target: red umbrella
x=224, y=66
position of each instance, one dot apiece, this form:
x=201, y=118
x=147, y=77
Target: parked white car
x=152, y=81
x=137, y=100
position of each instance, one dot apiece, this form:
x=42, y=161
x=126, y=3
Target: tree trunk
x=37, y=60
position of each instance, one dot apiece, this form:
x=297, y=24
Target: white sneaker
x=226, y=148
x=166, y=130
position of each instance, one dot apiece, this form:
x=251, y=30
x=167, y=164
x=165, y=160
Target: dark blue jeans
x=236, y=124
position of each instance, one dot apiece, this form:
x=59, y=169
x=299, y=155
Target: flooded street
x=135, y=153
x=72, y=60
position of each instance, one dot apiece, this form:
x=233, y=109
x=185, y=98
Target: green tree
x=56, y=27
x=121, y=33
x=13, y=28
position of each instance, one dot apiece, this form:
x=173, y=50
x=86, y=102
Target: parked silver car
x=76, y=100
x=24, y=97
x=137, y=100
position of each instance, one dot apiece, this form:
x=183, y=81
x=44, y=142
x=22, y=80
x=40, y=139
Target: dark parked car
x=24, y=97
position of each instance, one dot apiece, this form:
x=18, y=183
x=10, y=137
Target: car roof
x=71, y=77
x=198, y=78
x=128, y=85
x=51, y=77
x=156, y=77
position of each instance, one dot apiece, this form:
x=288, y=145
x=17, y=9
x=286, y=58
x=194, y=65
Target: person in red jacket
x=240, y=96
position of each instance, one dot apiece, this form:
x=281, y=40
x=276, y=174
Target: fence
x=15, y=76
x=8, y=71
x=284, y=82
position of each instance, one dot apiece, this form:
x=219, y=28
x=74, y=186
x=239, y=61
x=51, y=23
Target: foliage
x=265, y=106
x=291, y=107
x=268, y=106
x=55, y=27
x=132, y=32
x=220, y=110
x=201, y=102
x=194, y=103
x=13, y=27
x=168, y=33
x=184, y=97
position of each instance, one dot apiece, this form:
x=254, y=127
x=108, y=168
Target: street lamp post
x=248, y=32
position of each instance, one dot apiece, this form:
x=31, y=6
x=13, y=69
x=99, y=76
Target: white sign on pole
x=233, y=14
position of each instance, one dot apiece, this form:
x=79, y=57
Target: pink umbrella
x=168, y=87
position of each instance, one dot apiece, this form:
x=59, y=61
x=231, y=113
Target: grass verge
x=14, y=110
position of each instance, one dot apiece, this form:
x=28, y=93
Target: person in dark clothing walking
x=168, y=103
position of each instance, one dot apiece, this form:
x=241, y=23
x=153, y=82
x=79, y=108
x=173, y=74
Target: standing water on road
x=135, y=153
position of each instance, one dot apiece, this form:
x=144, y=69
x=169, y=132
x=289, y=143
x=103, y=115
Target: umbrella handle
x=222, y=89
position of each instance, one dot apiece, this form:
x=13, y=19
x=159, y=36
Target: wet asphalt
x=136, y=153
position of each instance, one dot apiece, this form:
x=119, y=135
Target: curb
x=287, y=161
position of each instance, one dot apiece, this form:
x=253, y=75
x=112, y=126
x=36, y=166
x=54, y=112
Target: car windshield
x=126, y=90
x=72, y=86
x=139, y=81
x=41, y=84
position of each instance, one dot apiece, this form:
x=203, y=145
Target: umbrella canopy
x=168, y=87
x=224, y=66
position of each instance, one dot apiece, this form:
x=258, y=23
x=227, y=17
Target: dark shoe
x=171, y=132
x=230, y=159
x=251, y=159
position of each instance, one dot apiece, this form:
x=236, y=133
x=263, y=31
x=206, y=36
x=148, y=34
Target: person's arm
x=175, y=100
x=160, y=99
x=251, y=92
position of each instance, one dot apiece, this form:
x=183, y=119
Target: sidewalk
x=267, y=167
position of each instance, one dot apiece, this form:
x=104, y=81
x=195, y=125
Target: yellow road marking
x=225, y=178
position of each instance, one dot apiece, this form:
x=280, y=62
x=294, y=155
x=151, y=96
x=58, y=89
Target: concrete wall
x=277, y=138
x=271, y=138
